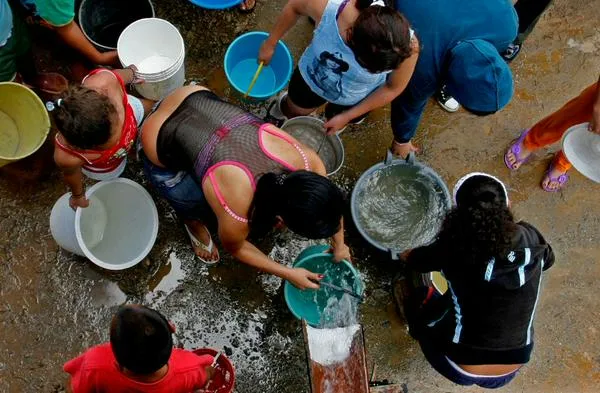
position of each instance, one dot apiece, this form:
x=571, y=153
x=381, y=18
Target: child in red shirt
x=139, y=358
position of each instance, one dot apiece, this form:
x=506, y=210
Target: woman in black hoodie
x=481, y=330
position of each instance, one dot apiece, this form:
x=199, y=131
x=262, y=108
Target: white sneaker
x=446, y=101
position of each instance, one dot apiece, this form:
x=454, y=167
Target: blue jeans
x=408, y=107
x=180, y=189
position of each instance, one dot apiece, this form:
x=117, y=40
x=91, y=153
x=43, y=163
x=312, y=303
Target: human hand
x=336, y=123
x=210, y=373
x=135, y=78
x=404, y=255
x=595, y=122
x=403, y=149
x=340, y=252
x=265, y=54
x=78, y=201
x=107, y=58
x=303, y=279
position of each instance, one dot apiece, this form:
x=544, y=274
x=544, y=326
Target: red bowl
x=224, y=379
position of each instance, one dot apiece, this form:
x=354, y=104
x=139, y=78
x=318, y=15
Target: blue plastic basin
x=241, y=63
x=309, y=304
x=215, y=4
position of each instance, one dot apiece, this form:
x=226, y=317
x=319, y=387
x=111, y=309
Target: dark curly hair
x=380, y=38
x=481, y=226
x=84, y=117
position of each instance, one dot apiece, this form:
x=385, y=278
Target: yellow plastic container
x=24, y=122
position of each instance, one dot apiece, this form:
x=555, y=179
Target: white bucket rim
x=88, y=254
x=159, y=20
x=165, y=74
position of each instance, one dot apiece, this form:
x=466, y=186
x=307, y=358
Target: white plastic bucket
x=157, y=49
x=100, y=176
x=115, y=232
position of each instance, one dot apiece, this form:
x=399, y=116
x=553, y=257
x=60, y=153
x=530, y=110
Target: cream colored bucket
x=24, y=122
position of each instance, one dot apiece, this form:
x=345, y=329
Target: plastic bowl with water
x=309, y=304
x=223, y=381
x=215, y=4
x=241, y=63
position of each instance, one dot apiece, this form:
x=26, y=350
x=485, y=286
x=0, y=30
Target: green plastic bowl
x=309, y=304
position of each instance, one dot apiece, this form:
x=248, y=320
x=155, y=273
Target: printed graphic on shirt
x=327, y=72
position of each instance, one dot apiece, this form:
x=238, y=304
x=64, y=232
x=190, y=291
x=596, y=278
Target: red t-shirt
x=97, y=371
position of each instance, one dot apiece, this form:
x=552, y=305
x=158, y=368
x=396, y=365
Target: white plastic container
x=118, y=171
x=115, y=232
x=157, y=49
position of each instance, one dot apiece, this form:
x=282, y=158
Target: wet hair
x=84, y=117
x=481, y=225
x=141, y=339
x=380, y=37
x=309, y=204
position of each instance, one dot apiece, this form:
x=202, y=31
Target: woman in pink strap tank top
x=213, y=160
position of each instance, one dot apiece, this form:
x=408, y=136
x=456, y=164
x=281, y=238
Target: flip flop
x=246, y=10
x=198, y=244
x=515, y=149
x=561, y=180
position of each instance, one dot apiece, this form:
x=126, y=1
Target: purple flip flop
x=515, y=149
x=561, y=180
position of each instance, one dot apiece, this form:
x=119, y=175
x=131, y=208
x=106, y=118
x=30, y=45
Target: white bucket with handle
x=116, y=231
x=157, y=49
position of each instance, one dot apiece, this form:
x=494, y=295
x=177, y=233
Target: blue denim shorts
x=443, y=365
x=180, y=189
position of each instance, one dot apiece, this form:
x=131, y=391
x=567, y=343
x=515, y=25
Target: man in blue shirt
x=460, y=45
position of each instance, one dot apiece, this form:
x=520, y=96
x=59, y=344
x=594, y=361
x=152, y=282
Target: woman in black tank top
x=212, y=160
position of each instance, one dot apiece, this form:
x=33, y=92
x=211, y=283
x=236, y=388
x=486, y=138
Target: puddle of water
x=168, y=277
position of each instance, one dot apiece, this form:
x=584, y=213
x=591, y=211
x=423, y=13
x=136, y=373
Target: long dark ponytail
x=481, y=226
x=309, y=204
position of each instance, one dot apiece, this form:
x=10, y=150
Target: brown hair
x=84, y=117
x=380, y=37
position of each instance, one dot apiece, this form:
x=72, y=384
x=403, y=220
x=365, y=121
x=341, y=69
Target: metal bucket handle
x=389, y=158
x=395, y=254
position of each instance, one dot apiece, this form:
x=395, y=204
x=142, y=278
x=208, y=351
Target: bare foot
x=248, y=5
x=200, y=232
x=516, y=155
x=555, y=179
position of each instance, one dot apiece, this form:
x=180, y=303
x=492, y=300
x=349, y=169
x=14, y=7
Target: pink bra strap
x=288, y=139
x=213, y=181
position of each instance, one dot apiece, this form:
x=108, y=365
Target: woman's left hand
x=335, y=124
x=340, y=252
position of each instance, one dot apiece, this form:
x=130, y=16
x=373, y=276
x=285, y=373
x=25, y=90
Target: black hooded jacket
x=491, y=307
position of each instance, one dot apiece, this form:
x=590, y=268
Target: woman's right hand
x=80, y=201
x=303, y=279
x=265, y=54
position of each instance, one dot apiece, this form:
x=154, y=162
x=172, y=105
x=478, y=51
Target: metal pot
x=404, y=170
x=311, y=132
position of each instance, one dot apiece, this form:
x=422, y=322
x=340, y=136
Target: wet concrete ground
x=54, y=305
